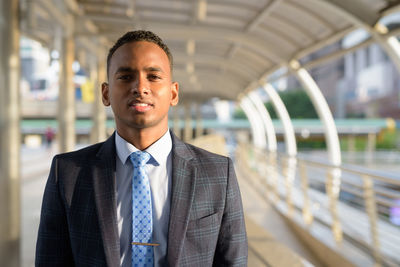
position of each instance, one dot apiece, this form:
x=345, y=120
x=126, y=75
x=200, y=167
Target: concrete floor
x=271, y=241
x=35, y=167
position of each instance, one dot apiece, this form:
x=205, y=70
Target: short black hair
x=137, y=36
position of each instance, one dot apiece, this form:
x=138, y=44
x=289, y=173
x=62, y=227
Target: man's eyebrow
x=156, y=69
x=124, y=69
x=148, y=69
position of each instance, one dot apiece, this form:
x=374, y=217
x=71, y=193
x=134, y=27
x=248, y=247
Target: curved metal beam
x=360, y=14
x=266, y=119
x=356, y=11
x=323, y=111
x=281, y=111
x=281, y=36
x=285, y=24
x=230, y=80
x=229, y=66
x=391, y=44
x=216, y=60
x=266, y=11
x=222, y=89
x=257, y=130
x=317, y=16
x=179, y=31
x=249, y=55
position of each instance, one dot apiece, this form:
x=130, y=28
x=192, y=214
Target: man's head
x=135, y=36
x=140, y=89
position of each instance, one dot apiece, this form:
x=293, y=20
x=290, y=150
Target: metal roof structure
x=220, y=47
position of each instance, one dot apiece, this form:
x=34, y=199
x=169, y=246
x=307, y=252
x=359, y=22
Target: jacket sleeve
x=232, y=241
x=53, y=243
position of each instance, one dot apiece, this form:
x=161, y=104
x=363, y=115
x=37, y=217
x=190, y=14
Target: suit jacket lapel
x=183, y=184
x=104, y=184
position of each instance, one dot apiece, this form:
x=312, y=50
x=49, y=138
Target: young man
x=89, y=214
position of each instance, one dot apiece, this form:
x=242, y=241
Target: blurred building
x=371, y=82
x=39, y=71
x=364, y=83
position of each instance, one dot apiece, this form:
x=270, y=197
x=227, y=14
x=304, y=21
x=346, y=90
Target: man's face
x=140, y=90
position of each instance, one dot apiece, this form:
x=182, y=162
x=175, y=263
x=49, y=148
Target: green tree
x=297, y=103
x=239, y=114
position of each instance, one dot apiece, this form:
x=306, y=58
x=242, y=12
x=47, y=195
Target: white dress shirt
x=159, y=170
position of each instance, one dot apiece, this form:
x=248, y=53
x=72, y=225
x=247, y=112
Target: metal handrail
x=384, y=177
x=288, y=176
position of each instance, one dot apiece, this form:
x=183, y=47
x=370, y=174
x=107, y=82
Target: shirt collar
x=159, y=150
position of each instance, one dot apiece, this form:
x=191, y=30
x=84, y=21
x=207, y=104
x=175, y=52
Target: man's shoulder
x=83, y=154
x=201, y=152
x=205, y=157
x=187, y=151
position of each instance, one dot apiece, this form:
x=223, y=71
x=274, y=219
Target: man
x=88, y=211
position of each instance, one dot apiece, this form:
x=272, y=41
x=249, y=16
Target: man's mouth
x=141, y=107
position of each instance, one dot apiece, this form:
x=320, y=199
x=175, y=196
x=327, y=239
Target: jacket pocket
x=205, y=221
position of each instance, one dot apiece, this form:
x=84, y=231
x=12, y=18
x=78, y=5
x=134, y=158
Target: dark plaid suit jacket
x=78, y=224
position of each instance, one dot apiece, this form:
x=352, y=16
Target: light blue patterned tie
x=142, y=221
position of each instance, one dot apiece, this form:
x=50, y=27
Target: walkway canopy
x=220, y=47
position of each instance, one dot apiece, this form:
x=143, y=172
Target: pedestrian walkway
x=265, y=248
x=35, y=163
x=271, y=242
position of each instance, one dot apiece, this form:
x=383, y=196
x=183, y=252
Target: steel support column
x=257, y=129
x=359, y=13
x=199, y=121
x=371, y=146
x=97, y=76
x=323, y=111
x=188, y=129
x=66, y=98
x=10, y=140
x=281, y=111
x=266, y=119
x=333, y=180
x=176, y=121
x=270, y=157
x=391, y=45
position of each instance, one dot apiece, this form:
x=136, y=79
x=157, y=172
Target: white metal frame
x=281, y=111
x=266, y=120
x=323, y=111
x=257, y=129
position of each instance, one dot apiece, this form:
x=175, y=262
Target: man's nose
x=140, y=86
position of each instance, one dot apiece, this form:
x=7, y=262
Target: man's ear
x=174, y=94
x=105, y=93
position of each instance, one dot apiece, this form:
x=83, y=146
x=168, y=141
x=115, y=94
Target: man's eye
x=153, y=77
x=125, y=77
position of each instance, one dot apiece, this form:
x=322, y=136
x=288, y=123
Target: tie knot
x=139, y=158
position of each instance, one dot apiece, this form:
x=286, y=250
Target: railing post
x=371, y=144
x=188, y=128
x=370, y=206
x=307, y=214
x=273, y=176
x=289, y=171
x=176, y=121
x=261, y=160
x=333, y=189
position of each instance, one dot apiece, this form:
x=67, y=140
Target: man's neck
x=142, y=138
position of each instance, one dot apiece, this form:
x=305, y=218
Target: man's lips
x=140, y=106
